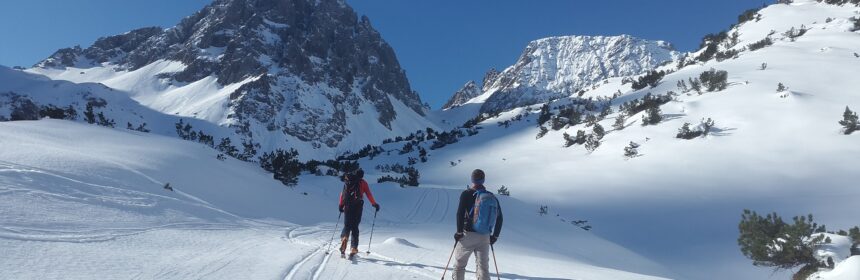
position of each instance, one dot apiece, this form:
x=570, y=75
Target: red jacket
x=365, y=190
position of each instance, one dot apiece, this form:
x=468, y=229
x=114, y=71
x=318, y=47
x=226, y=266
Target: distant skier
x=479, y=222
x=352, y=204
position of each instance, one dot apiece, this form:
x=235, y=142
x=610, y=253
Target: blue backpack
x=483, y=215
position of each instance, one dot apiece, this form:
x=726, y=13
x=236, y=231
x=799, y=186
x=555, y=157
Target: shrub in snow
x=704, y=128
x=760, y=44
x=284, y=165
x=794, y=33
x=686, y=133
x=714, y=80
x=598, y=131
x=849, y=121
x=780, y=87
x=632, y=150
x=592, y=143
x=728, y=54
x=652, y=116
x=51, y=111
x=769, y=241
x=763, y=66
x=543, y=131
x=504, y=191
x=543, y=210
x=711, y=45
x=748, y=15
x=544, y=115
x=619, y=122
x=856, y=26
x=652, y=79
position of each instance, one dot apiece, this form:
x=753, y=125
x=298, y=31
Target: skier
x=352, y=204
x=479, y=222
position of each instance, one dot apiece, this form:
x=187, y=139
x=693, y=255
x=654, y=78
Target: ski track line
x=447, y=206
x=405, y=266
x=295, y=268
x=417, y=208
x=435, y=206
x=202, y=203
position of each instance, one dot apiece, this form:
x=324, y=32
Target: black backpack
x=352, y=191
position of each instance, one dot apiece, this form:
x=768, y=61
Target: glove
x=493, y=239
x=458, y=236
x=376, y=206
x=340, y=209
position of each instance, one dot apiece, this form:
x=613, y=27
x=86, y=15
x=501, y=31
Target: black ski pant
x=350, y=223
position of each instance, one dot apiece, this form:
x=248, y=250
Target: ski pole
x=449, y=259
x=494, y=262
x=369, y=242
x=332, y=233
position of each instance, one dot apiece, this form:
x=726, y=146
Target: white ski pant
x=472, y=243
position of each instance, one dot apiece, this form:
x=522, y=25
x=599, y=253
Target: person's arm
x=366, y=190
x=499, y=221
x=461, y=212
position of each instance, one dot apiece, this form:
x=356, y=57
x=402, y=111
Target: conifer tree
x=849, y=121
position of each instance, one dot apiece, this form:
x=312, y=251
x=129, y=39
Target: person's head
x=360, y=173
x=478, y=177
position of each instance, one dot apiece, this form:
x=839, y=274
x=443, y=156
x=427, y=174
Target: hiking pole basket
x=492, y=249
x=449, y=259
x=369, y=242
x=332, y=233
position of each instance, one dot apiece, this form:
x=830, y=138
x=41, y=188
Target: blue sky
x=441, y=43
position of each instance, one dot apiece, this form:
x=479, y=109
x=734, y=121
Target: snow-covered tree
x=849, y=121
x=780, y=87
x=632, y=150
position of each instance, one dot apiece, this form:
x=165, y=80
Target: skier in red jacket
x=352, y=204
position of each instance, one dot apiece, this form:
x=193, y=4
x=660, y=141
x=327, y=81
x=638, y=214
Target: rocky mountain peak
x=556, y=67
x=284, y=52
x=470, y=90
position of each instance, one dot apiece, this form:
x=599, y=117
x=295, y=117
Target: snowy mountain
x=470, y=90
x=276, y=72
x=771, y=148
x=557, y=67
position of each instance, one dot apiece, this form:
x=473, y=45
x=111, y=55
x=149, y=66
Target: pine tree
x=780, y=87
x=592, y=143
x=685, y=132
x=544, y=115
x=707, y=125
x=598, y=131
x=89, y=115
x=543, y=131
x=580, y=137
x=652, y=116
x=849, y=121
x=619, y=122
x=226, y=146
x=770, y=241
x=568, y=141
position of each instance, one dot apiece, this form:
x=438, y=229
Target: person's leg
x=482, y=256
x=355, y=232
x=464, y=250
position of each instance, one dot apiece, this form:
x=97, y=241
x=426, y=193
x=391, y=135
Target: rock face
x=557, y=67
x=306, y=66
x=470, y=90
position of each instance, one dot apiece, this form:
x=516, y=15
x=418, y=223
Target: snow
x=767, y=153
x=108, y=216
x=846, y=270
x=203, y=99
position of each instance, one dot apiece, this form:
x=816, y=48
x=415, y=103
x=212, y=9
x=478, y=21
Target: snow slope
x=82, y=201
x=679, y=201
